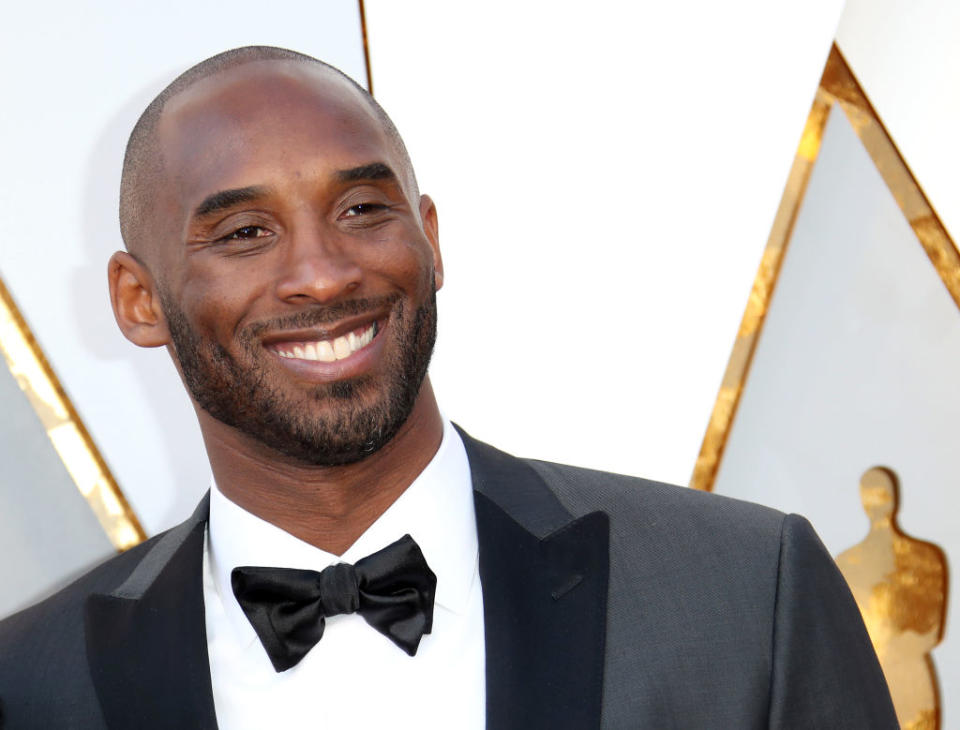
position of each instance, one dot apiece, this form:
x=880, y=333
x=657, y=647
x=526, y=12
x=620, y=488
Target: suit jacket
x=608, y=600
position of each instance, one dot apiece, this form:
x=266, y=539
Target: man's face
x=297, y=275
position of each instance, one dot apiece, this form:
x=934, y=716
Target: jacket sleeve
x=825, y=672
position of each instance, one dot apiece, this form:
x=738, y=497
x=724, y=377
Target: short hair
x=143, y=163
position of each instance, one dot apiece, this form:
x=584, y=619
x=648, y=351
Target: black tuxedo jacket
x=607, y=600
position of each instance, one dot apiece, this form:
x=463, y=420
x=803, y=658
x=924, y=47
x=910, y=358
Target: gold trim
x=70, y=438
x=718, y=429
x=837, y=86
x=366, y=46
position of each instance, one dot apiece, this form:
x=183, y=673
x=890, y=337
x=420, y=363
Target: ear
x=136, y=302
x=428, y=215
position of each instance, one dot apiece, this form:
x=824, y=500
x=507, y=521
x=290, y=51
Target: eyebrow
x=225, y=199
x=373, y=171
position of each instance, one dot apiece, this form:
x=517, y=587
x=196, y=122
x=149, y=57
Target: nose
x=317, y=266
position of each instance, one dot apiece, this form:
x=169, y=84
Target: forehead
x=263, y=119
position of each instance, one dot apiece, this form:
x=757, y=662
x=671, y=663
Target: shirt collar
x=436, y=510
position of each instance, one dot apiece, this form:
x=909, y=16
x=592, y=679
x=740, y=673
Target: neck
x=326, y=506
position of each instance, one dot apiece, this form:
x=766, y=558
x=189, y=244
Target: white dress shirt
x=355, y=677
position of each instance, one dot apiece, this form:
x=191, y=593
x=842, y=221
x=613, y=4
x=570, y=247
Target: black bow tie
x=392, y=589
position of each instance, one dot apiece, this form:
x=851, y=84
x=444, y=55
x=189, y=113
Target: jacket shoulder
x=709, y=554
x=101, y=579
x=738, y=600
x=657, y=506
x=43, y=659
x=692, y=590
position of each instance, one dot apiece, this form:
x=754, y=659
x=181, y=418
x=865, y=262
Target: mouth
x=328, y=348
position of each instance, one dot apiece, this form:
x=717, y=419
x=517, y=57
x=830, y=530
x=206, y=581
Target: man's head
x=278, y=244
x=143, y=165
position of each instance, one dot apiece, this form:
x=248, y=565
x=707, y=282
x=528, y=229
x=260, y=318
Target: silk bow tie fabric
x=393, y=589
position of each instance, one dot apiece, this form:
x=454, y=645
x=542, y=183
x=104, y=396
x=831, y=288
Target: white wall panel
x=606, y=176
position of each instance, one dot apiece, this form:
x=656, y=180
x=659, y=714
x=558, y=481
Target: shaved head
x=143, y=164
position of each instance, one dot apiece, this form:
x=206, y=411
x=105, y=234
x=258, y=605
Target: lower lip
x=315, y=371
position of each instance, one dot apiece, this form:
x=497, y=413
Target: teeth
x=325, y=352
x=329, y=351
x=341, y=348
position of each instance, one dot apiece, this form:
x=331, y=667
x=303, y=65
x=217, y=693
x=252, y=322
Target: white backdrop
x=606, y=176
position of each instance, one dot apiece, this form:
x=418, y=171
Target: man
x=279, y=248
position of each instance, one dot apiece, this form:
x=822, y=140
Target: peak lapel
x=544, y=576
x=146, y=640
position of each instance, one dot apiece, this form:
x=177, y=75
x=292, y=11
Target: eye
x=246, y=233
x=364, y=209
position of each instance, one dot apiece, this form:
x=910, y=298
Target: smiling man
x=359, y=561
x=292, y=265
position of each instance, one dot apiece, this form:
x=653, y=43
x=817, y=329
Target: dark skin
x=327, y=213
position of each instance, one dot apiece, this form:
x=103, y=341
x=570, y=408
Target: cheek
x=408, y=265
x=219, y=302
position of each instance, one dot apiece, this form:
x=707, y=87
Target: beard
x=333, y=423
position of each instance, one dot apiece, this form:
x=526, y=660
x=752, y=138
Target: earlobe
x=136, y=302
x=428, y=215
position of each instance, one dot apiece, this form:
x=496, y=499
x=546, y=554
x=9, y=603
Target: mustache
x=322, y=314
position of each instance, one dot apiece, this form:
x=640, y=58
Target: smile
x=329, y=350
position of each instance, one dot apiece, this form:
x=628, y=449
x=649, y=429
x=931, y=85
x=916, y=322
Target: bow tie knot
x=392, y=589
x=338, y=589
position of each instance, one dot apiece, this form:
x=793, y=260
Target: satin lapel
x=146, y=640
x=544, y=576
